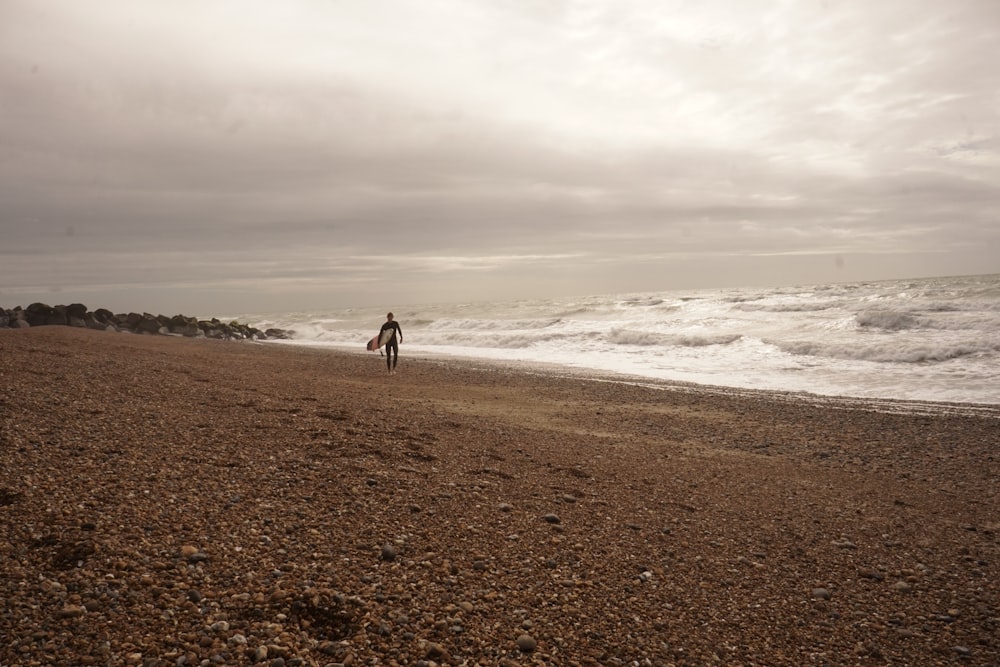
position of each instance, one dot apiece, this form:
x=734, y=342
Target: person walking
x=392, y=345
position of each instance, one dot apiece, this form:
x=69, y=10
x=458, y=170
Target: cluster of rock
x=77, y=315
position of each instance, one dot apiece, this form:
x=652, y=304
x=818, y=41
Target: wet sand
x=168, y=501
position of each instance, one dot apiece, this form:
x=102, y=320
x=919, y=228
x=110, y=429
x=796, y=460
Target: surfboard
x=379, y=340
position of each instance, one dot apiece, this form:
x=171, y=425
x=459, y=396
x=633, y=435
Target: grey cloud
x=578, y=134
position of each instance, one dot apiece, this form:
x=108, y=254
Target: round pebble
x=526, y=643
x=821, y=594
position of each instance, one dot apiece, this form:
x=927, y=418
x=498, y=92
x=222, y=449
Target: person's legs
x=391, y=355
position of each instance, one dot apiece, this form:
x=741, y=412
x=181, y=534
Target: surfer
x=392, y=345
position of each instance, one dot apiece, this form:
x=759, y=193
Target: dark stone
x=132, y=320
x=147, y=324
x=526, y=643
x=59, y=316
x=215, y=329
x=38, y=314
x=91, y=322
x=185, y=326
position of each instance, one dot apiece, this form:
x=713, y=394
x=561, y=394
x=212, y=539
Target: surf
x=932, y=339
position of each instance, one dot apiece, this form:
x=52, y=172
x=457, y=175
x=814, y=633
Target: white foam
x=924, y=340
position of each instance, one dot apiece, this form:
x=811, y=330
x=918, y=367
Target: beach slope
x=168, y=501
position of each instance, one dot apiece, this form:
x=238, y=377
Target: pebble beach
x=167, y=501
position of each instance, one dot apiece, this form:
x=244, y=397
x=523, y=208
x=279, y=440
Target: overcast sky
x=209, y=156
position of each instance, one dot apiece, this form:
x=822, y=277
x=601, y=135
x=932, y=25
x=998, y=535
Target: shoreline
x=168, y=501
x=890, y=405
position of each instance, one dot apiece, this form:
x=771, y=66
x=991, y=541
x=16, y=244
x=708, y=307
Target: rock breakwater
x=78, y=315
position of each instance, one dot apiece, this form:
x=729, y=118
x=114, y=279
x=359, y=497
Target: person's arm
x=399, y=329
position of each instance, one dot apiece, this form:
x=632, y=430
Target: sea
x=929, y=340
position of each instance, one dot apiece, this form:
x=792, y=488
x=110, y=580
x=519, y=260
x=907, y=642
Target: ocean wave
x=782, y=307
x=945, y=319
x=888, y=320
x=574, y=311
x=704, y=341
x=500, y=341
x=984, y=323
x=642, y=302
x=629, y=337
x=940, y=307
x=886, y=352
x=652, y=338
x=493, y=325
x=317, y=330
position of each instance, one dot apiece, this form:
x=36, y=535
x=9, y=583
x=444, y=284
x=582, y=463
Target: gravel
x=168, y=501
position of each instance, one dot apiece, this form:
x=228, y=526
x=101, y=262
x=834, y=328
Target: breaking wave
x=498, y=340
x=629, y=337
x=642, y=302
x=783, y=307
x=493, y=325
x=889, y=352
x=888, y=320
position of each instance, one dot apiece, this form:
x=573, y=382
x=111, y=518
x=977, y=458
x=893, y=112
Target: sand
x=168, y=501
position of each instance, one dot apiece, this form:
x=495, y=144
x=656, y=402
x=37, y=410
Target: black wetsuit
x=392, y=346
